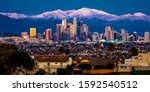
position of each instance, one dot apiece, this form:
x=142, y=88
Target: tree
x=134, y=51
x=67, y=52
x=10, y=58
x=61, y=50
x=111, y=48
x=69, y=68
x=97, y=67
x=61, y=71
x=20, y=59
x=85, y=66
x=110, y=66
x=41, y=72
x=5, y=51
x=97, y=48
x=2, y=69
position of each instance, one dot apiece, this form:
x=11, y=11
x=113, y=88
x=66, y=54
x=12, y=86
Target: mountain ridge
x=80, y=13
x=95, y=19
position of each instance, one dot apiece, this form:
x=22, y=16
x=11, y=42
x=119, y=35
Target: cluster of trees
x=67, y=71
x=62, y=50
x=11, y=58
x=41, y=72
x=111, y=48
x=134, y=51
x=89, y=67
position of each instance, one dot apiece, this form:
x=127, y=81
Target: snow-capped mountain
x=135, y=16
x=139, y=14
x=46, y=15
x=95, y=19
x=87, y=12
x=15, y=15
x=80, y=13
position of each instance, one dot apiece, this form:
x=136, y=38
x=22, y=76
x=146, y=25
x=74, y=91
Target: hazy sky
x=118, y=7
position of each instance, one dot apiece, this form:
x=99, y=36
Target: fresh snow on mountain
x=80, y=13
x=54, y=14
x=15, y=15
x=83, y=12
x=139, y=14
x=86, y=12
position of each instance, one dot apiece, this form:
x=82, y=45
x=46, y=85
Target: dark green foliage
x=41, y=72
x=110, y=66
x=18, y=59
x=96, y=45
x=140, y=73
x=67, y=52
x=61, y=50
x=99, y=67
x=85, y=66
x=6, y=50
x=70, y=68
x=10, y=58
x=111, y=47
x=62, y=71
x=134, y=51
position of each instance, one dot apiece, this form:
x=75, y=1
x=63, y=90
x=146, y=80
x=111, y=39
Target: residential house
x=50, y=63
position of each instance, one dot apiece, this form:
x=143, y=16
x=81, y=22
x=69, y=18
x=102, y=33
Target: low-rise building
x=143, y=59
x=50, y=63
x=140, y=62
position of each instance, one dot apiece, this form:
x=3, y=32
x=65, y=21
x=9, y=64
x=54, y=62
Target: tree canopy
x=134, y=51
x=11, y=57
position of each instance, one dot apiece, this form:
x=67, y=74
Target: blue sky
x=118, y=7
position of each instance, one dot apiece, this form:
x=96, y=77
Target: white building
x=140, y=62
x=50, y=63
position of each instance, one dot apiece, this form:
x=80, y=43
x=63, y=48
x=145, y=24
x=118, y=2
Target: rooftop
x=50, y=58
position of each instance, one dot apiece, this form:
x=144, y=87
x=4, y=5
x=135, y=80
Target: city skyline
x=48, y=14
x=79, y=31
x=96, y=19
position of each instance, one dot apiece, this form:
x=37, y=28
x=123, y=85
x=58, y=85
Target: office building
x=24, y=35
x=95, y=36
x=48, y=34
x=64, y=24
x=124, y=35
x=33, y=32
x=146, y=36
x=108, y=33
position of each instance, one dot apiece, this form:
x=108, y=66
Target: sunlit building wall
x=64, y=24
x=72, y=32
x=24, y=35
x=107, y=33
x=146, y=36
x=32, y=32
x=112, y=35
x=75, y=25
x=48, y=34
